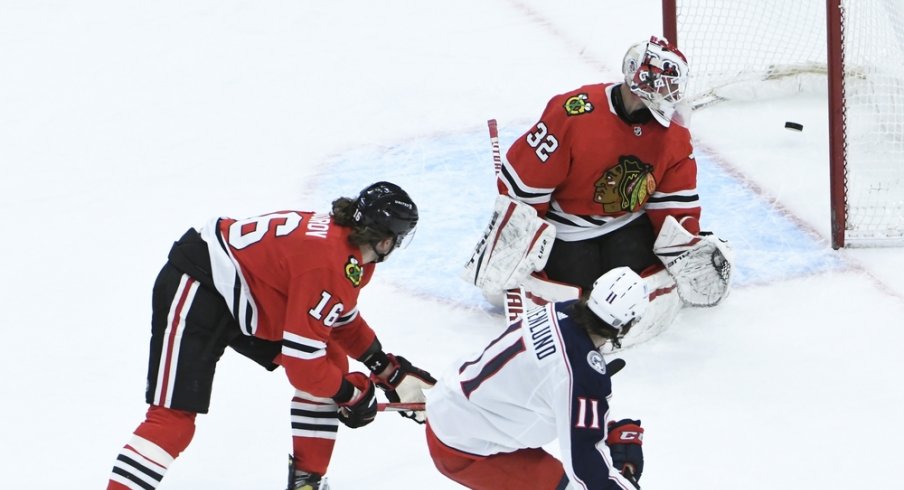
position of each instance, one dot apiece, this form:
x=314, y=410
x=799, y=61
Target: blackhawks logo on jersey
x=626, y=186
x=353, y=271
x=577, y=105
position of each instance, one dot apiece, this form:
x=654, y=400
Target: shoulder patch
x=353, y=271
x=596, y=361
x=577, y=105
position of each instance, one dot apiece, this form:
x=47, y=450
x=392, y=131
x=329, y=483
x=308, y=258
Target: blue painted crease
x=451, y=179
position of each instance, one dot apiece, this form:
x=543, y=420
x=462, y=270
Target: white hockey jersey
x=541, y=380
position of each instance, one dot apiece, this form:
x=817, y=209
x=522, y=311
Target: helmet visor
x=659, y=80
x=403, y=240
x=657, y=73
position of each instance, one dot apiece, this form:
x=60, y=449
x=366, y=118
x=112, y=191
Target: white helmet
x=618, y=298
x=656, y=72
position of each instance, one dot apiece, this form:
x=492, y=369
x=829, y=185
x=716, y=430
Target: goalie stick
x=514, y=305
x=494, y=142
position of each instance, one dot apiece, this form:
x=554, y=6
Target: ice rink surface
x=123, y=123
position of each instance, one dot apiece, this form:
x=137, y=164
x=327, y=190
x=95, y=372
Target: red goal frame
x=835, y=64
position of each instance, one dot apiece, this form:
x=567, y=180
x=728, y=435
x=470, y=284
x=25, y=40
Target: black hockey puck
x=793, y=126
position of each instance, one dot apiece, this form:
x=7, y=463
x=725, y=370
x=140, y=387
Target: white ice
x=122, y=123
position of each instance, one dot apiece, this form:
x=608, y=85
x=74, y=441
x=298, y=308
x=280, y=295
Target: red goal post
x=852, y=50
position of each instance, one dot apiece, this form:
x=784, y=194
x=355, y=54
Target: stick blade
x=615, y=365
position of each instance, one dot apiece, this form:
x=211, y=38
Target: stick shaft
x=399, y=407
x=494, y=141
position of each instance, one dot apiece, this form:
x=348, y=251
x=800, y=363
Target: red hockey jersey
x=293, y=277
x=589, y=172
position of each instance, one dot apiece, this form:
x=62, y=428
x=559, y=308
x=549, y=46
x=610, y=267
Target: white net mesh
x=784, y=51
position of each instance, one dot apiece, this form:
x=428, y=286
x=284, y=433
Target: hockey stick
x=399, y=407
x=614, y=366
x=494, y=141
x=513, y=303
x=631, y=478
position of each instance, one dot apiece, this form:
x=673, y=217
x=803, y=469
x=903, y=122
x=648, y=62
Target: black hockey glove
x=405, y=383
x=357, y=401
x=625, y=443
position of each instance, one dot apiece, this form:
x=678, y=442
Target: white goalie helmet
x=619, y=297
x=657, y=72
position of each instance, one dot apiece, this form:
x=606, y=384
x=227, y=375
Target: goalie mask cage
x=854, y=48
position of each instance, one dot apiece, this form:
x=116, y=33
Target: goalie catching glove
x=401, y=381
x=700, y=265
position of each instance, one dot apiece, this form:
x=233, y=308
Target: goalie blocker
x=515, y=245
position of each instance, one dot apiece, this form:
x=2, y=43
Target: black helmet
x=386, y=208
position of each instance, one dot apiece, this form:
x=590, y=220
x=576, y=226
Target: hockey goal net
x=851, y=50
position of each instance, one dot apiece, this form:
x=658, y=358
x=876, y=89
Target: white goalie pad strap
x=701, y=265
x=515, y=244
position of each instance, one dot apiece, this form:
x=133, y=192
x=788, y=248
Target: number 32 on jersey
x=542, y=141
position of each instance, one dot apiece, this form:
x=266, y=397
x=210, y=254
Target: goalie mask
x=657, y=72
x=387, y=209
x=619, y=297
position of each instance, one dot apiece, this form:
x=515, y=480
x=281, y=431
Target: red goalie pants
x=525, y=468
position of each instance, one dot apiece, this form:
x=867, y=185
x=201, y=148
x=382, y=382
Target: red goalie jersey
x=590, y=172
x=293, y=277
